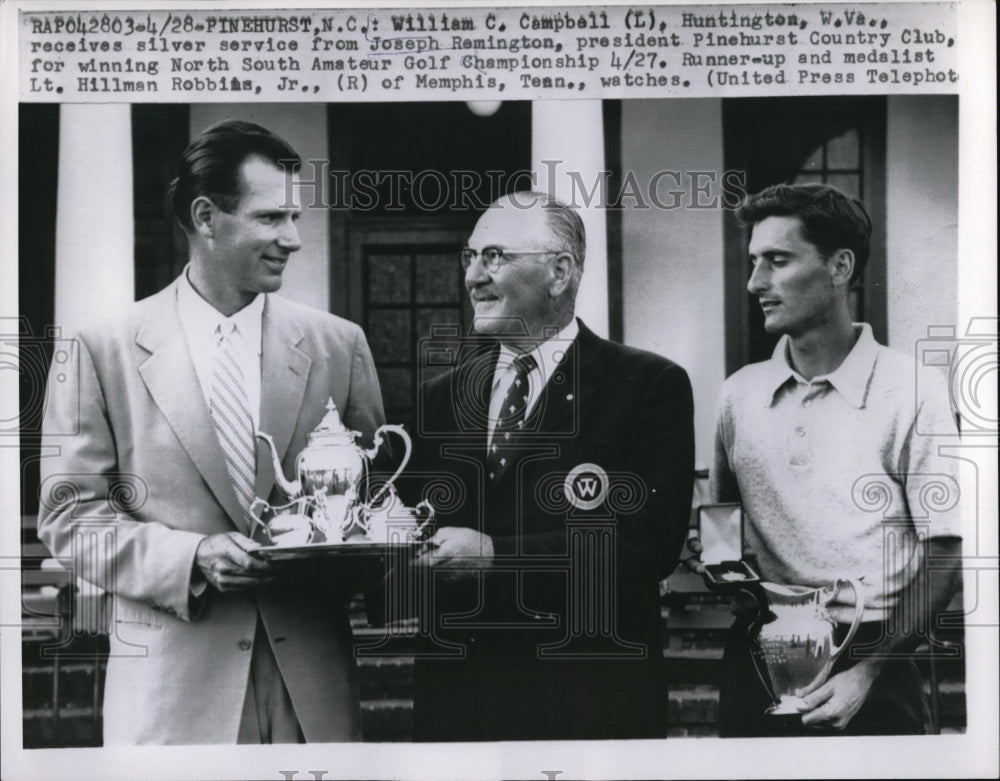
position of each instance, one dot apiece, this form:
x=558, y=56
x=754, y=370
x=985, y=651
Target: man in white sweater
x=832, y=446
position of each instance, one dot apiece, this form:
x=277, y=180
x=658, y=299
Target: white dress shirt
x=200, y=321
x=548, y=355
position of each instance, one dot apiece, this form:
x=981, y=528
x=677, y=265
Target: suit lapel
x=557, y=413
x=284, y=372
x=171, y=380
x=556, y=407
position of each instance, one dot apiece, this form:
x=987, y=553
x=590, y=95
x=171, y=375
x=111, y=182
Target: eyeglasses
x=494, y=257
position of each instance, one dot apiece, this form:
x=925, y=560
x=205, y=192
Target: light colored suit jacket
x=134, y=478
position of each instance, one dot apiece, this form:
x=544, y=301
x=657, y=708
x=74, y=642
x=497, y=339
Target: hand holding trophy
x=791, y=635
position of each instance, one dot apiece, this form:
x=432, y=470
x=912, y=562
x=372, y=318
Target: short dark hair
x=830, y=219
x=210, y=165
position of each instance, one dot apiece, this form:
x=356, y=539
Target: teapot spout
x=291, y=488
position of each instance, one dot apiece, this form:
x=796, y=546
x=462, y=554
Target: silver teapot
x=793, y=651
x=330, y=472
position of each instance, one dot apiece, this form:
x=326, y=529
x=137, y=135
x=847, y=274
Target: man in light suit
x=572, y=462
x=209, y=644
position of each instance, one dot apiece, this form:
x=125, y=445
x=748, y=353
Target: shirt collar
x=548, y=355
x=851, y=379
x=203, y=318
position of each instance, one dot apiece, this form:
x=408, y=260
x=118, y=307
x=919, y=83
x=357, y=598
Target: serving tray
x=323, y=550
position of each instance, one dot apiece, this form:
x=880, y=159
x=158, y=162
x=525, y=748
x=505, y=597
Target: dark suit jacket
x=134, y=478
x=561, y=636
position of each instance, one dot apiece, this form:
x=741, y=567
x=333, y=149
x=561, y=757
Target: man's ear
x=203, y=216
x=561, y=268
x=842, y=266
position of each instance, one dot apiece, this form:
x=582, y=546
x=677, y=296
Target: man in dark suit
x=569, y=463
x=152, y=424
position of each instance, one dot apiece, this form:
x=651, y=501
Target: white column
x=567, y=156
x=95, y=252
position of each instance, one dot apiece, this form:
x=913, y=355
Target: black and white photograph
x=366, y=420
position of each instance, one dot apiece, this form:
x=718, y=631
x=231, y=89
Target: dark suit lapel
x=171, y=380
x=556, y=415
x=556, y=411
x=284, y=372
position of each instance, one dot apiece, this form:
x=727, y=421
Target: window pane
x=849, y=183
x=808, y=179
x=388, y=279
x=815, y=161
x=438, y=279
x=389, y=335
x=843, y=151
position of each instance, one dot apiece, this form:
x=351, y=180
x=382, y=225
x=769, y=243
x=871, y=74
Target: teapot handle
x=859, y=609
x=379, y=439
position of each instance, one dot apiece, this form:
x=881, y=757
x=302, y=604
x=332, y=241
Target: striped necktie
x=233, y=421
x=511, y=419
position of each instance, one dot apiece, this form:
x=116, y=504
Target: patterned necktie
x=512, y=415
x=233, y=421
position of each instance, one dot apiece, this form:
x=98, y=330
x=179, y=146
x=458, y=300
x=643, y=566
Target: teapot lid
x=331, y=423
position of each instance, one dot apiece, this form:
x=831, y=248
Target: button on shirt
x=832, y=470
x=200, y=321
x=548, y=355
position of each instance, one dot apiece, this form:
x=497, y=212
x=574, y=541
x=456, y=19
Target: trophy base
x=788, y=706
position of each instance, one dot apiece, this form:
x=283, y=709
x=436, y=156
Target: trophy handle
x=859, y=609
x=430, y=513
x=379, y=439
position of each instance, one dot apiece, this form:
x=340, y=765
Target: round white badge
x=586, y=486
